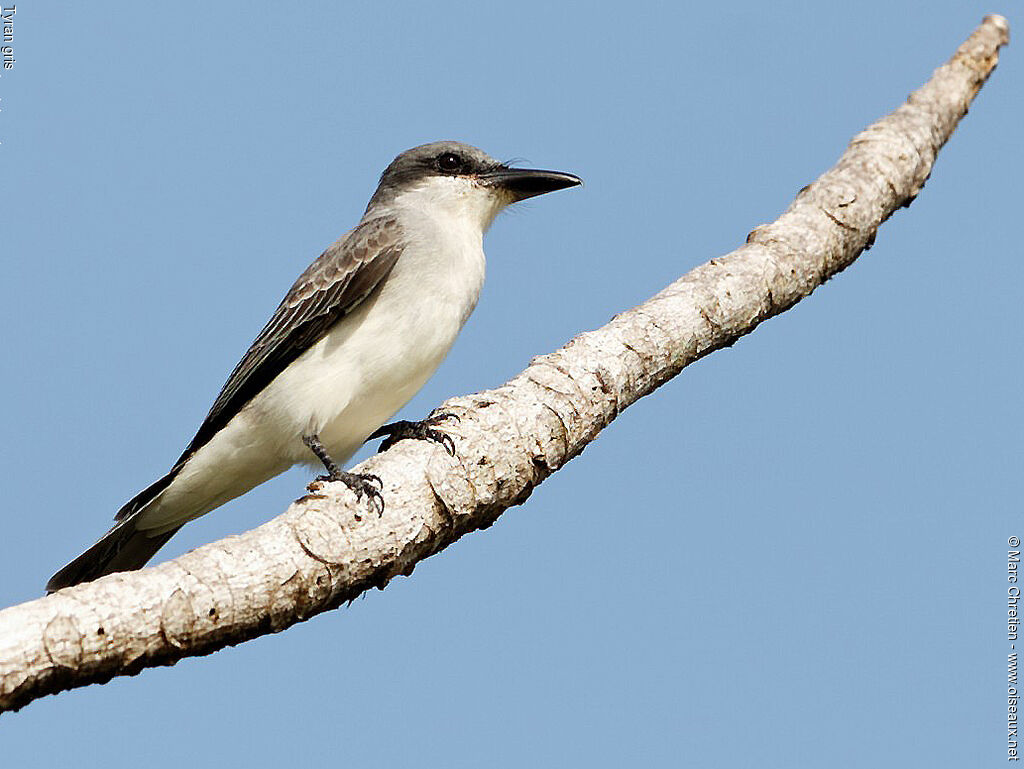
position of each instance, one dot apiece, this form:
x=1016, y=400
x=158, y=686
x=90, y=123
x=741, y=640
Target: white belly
x=370, y=365
x=342, y=389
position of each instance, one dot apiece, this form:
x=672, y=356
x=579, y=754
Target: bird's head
x=455, y=179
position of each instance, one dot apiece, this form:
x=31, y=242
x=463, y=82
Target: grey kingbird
x=359, y=333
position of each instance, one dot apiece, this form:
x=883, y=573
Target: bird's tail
x=123, y=548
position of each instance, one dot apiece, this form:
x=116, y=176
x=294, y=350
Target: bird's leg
x=422, y=430
x=360, y=483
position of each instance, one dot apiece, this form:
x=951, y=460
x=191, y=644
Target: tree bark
x=327, y=548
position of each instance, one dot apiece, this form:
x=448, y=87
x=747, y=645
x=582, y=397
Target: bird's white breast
x=372, y=363
x=361, y=372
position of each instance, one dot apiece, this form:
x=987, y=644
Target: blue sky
x=794, y=553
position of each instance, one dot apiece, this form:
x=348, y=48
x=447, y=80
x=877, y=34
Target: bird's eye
x=449, y=162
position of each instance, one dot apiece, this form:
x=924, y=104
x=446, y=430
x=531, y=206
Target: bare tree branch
x=327, y=548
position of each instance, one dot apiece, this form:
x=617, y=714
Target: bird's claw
x=361, y=484
x=422, y=430
x=437, y=417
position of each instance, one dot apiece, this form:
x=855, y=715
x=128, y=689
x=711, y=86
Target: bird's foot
x=361, y=484
x=422, y=430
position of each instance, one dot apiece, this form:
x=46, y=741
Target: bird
x=358, y=334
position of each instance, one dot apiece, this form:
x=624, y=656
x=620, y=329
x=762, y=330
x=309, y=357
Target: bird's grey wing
x=342, y=277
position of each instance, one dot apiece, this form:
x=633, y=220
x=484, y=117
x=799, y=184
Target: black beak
x=523, y=183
